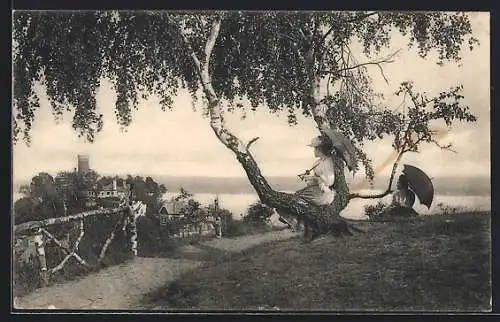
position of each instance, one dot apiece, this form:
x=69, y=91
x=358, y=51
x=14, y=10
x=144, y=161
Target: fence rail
x=31, y=225
x=126, y=222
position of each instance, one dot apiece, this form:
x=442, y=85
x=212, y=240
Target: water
x=238, y=203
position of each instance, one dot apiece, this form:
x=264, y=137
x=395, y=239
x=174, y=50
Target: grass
x=237, y=228
x=430, y=263
x=150, y=244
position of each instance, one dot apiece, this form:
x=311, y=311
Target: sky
x=181, y=142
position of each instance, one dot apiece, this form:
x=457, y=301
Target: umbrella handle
x=306, y=173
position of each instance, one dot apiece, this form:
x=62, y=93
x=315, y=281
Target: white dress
x=318, y=185
x=317, y=190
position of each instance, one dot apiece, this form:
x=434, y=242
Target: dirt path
x=244, y=242
x=122, y=286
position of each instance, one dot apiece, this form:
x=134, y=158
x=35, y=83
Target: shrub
x=148, y=235
x=451, y=210
x=25, y=275
x=236, y=228
x=258, y=214
x=373, y=210
x=226, y=218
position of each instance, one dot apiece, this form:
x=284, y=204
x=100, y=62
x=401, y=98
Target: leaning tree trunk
x=318, y=111
x=326, y=218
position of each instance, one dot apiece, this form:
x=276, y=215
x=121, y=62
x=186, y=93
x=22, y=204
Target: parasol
x=420, y=183
x=344, y=146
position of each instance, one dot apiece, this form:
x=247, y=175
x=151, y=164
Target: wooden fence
x=127, y=211
x=38, y=229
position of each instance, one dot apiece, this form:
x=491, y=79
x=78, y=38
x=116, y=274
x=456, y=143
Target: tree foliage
x=258, y=56
x=47, y=197
x=41, y=201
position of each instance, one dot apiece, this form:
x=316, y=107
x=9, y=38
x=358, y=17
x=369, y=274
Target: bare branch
x=190, y=49
x=411, y=146
x=252, y=141
x=382, y=73
x=414, y=98
x=448, y=147
x=391, y=179
x=378, y=63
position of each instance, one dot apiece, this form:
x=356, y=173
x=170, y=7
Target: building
x=170, y=213
x=65, y=184
x=113, y=190
x=83, y=164
x=171, y=210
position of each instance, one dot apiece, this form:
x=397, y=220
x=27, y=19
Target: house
x=90, y=193
x=113, y=190
x=170, y=210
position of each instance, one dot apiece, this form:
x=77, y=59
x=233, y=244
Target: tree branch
x=252, y=141
x=209, y=46
x=391, y=179
x=378, y=63
x=447, y=147
x=202, y=68
x=191, y=51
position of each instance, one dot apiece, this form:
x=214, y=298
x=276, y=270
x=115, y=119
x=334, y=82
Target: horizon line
x=245, y=177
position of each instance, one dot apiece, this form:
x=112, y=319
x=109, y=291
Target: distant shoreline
x=448, y=186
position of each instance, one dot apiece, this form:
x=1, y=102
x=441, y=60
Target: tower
x=83, y=163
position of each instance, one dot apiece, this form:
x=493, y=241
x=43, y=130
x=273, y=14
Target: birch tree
x=298, y=62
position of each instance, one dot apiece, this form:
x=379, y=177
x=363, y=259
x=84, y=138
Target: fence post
x=132, y=231
x=40, y=251
x=132, y=224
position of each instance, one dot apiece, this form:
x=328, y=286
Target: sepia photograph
x=251, y=161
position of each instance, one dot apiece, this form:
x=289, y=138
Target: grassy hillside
x=434, y=263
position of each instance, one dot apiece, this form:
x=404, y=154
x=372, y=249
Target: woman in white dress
x=318, y=188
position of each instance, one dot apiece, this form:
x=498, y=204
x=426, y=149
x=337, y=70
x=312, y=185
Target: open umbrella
x=344, y=146
x=420, y=183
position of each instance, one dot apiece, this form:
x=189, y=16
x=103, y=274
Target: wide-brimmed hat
x=317, y=141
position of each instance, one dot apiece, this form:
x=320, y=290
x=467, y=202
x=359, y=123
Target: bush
x=258, y=214
x=382, y=211
x=148, y=235
x=373, y=210
x=25, y=275
x=451, y=210
x=236, y=228
x=226, y=218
